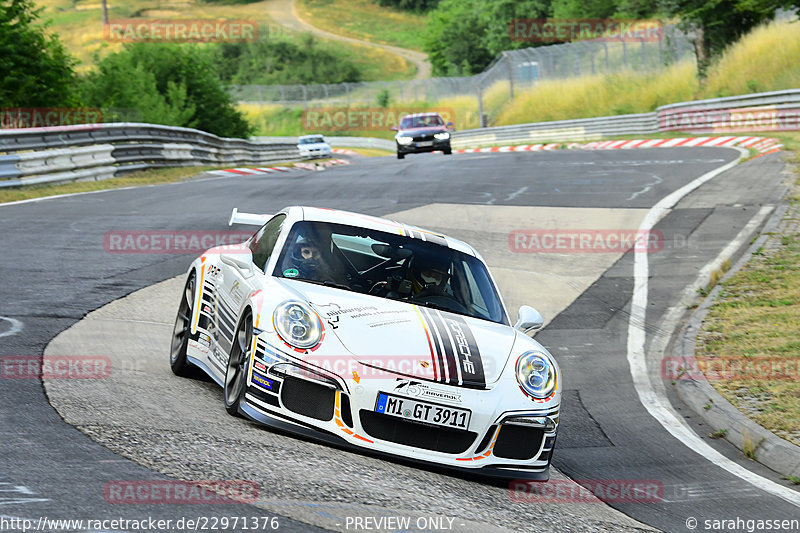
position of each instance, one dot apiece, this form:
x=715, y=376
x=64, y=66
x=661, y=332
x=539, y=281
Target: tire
x=400, y=156
x=238, y=362
x=448, y=151
x=182, y=331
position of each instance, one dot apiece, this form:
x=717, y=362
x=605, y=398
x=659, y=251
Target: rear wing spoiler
x=250, y=219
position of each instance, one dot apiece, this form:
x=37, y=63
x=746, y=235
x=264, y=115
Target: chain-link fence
x=511, y=71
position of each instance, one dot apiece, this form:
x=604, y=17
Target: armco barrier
x=563, y=130
x=773, y=111
x=339, y=142
x=100, y=151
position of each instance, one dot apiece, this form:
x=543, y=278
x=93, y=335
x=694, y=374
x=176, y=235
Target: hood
x=412, y=340
x=422, y=131
x=313, y=146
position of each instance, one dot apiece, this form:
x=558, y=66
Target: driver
x=306, y=257
x=429, y=275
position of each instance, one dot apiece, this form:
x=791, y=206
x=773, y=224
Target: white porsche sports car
x=373, y=334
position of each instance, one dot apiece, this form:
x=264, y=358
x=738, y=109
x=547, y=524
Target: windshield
x=312, y=140
x=390, y=266
x=421, y=122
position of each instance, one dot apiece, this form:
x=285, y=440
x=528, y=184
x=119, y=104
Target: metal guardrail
x=46, y=155
x=338, y=142
x=101, y=151
x=562, y=130
x=778, y=110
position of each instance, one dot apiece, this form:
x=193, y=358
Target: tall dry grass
x=766, y=59
x=600, y=95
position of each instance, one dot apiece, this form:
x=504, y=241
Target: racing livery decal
x=455, y=351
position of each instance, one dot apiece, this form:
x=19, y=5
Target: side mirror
x=529, y=320
x=393, y=128
x=244, y=267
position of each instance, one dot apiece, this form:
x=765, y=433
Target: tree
x=717, y=23
x=456, y=38
x=464, y=36
x=168, y=84
x=410, y=5
x=271, y=61
x=35, y=69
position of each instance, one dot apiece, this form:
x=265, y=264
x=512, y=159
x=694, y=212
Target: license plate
x=425, y=143
x=431, y=413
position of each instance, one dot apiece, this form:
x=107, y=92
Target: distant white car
x=314, y=146
x=371, y=334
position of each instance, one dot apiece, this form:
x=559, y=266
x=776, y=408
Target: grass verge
x=369, y=152
x=753, y=329
x=365, y=20
x=78, y=24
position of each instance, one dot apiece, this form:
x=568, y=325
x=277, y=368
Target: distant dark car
x=422, y=132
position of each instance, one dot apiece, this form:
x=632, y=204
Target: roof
x=383, y=224
x=426, y=114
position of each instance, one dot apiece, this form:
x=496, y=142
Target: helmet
x=306, y=257
x=428, y=273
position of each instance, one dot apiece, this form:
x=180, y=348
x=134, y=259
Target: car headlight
x=443, y=136
x=536, y=374
x=404, y=140
x=297, y=325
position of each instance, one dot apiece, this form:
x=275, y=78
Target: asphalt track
x=55, y=270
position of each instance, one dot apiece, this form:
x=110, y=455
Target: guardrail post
x=510, y=75
x=481, y=118
x=643, y=58
x=624, y=52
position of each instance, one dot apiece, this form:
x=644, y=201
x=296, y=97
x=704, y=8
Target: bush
x=284, y=62
x=167, y=84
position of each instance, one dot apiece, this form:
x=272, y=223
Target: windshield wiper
x=435, y=306
x=326, y=283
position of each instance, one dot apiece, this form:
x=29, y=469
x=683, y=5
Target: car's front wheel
x=400, y=156
x=182, y=331
x=236, y=372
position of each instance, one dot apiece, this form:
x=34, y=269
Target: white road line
x=657, y=404
x=16, y=326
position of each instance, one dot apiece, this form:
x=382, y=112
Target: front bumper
x=342, y=411
x=419, y=147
